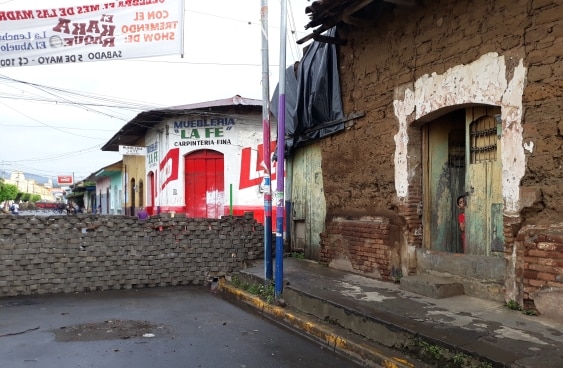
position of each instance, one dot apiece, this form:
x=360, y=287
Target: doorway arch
x=488, y=81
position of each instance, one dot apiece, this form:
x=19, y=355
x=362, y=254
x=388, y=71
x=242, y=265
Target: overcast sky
x=55, y=118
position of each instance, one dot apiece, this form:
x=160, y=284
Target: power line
x=254, y=23
x=108, y=101
x=71, y=128
x=47, y=125
x=66, y=102
x=62, y=93
x=57, y=156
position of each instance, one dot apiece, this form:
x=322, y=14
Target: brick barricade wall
x=366, y=243
x=64, y=254
x=539, y=264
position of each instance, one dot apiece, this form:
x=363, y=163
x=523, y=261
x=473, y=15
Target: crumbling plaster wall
x=481, y=82
x=517, y=52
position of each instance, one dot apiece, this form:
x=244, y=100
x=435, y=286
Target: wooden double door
x=462, y=151
x=204, y=180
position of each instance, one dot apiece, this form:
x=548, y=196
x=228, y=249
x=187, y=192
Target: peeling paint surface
x=403, y=108
x=513, y=158
x=481, y=82
x=529, y=147
x=357, y=293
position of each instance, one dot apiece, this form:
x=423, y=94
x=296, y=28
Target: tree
x=8, y=192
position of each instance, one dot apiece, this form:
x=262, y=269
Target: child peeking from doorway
x=461, y=219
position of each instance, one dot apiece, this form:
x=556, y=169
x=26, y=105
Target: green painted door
x=444, y=181
x=309, y=204
x=483, y=213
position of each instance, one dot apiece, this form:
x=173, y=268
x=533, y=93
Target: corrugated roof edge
x=134, y=130
x=232, y=101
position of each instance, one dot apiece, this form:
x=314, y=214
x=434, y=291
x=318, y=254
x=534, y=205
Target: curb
x=336, y=339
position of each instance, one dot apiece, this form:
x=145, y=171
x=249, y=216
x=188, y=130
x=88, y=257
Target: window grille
x=483, y=139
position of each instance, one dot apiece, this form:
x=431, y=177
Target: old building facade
x=203, y=160
x=460, y=98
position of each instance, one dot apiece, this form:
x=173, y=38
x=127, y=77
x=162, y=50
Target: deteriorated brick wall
x=403, y=45
x=409, y=42
x=411, y=211
x=367, y=244
x=543, y=103
x=64, y=254
x=539, y=265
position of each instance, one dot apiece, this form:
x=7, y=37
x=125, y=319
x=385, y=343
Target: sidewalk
x=387, y=317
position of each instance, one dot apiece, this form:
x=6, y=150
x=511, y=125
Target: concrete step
x=432, y=286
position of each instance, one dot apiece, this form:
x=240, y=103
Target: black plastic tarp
x=290, y=104
x=312, y=97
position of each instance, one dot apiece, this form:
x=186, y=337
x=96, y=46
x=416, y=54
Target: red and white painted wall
x=207, y=165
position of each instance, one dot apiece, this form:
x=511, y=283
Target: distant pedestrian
x=15, y=208
x=71, y=209
x=142, y=214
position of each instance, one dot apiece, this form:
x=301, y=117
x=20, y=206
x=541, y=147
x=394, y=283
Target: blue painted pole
x=280, y=173
x=268, y=264
x=268, y=258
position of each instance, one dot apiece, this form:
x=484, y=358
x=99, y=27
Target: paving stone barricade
x=64, y=254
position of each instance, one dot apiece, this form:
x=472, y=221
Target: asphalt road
x=163, y=328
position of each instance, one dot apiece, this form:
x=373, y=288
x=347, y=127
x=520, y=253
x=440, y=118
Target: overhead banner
x=112, y=30
x=132, y=150
x=65, y=180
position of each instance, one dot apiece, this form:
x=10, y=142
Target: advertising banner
x=65, y=180
x=113, y=30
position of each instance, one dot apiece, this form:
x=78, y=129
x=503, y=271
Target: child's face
x=461, y=203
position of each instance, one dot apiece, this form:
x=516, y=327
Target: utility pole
x=280, y=173
x=268, y=266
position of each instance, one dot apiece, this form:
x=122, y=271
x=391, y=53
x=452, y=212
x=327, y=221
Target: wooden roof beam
x=334, y=20
x=403, y=2
x=327, y=39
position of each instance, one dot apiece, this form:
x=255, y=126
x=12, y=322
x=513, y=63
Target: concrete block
x=432, y=286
